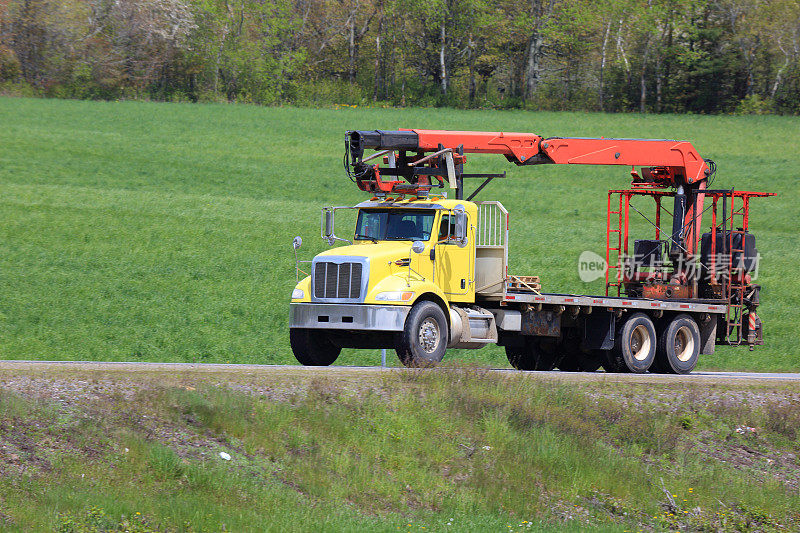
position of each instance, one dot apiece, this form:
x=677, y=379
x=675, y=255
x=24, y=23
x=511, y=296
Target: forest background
x=661, y=56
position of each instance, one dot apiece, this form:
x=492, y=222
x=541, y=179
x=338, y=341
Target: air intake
x=337, y=280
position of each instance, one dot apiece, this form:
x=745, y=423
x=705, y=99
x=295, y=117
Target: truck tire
x=634, y=347
x=530, y=356
x=678, y=346
x=311, y=347
x=423, y=341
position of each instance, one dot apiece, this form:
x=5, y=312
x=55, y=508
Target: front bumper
x=349, y=316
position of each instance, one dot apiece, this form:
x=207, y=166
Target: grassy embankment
x=160, y=232
x=452, y=450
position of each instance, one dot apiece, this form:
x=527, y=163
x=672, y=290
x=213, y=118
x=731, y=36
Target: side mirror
x=418, y=247
x=461, y=226
x=297, y=242
x=327, y=223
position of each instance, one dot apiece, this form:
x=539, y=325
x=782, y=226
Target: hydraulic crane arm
x=678, y=159
x=664, y=163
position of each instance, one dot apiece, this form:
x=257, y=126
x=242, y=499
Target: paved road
x=295, y=370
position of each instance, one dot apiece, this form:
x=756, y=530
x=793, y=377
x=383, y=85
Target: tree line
x=700, y=56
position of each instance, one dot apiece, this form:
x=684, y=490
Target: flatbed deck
x=615, y=302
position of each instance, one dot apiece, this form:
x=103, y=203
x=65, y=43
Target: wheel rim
x=684, y=344
x=429, y=335
x=640, y=343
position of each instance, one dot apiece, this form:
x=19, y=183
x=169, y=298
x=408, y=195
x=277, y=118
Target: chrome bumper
x=349, y=316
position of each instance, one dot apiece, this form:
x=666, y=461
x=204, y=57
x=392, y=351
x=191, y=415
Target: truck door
x=454, y=264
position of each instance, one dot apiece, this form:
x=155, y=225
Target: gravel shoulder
x=296, y=371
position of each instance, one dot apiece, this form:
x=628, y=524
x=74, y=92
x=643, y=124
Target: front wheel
x=424, y=337
x=312, y=347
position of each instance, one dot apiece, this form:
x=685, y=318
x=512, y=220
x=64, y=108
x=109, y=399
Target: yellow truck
x=422, y=272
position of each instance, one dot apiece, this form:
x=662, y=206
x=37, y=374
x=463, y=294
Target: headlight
x=394, y=296
x=298, y=294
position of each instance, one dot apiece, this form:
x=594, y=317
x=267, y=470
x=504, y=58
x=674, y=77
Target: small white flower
x=487, y=448
x=225, y=456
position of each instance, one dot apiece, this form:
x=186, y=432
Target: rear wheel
x=312, y=347
x=634, y=346
x=679, y=346
x=423, y=341
x=530, y=356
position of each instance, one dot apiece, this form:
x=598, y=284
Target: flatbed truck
x=424, y=273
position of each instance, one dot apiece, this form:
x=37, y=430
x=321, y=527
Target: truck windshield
x=394, y=224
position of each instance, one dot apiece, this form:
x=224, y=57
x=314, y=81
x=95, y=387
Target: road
x=300, y=371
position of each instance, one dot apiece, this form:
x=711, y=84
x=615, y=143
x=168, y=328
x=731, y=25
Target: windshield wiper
x=373, y=239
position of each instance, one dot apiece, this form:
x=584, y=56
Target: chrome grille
x=337, y=280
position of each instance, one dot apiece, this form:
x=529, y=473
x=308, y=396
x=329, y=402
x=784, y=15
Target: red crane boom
x=679, y=158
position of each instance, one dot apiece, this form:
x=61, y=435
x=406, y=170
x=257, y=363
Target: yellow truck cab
x=406, y=280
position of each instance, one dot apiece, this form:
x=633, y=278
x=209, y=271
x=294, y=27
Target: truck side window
x=446, y=228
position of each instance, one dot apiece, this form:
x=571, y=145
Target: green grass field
x=161, y=232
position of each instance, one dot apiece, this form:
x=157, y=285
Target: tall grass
x=160, y=232
x=451, y=450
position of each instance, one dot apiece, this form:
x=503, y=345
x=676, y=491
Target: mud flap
x=598, y=331
x=708, y=335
